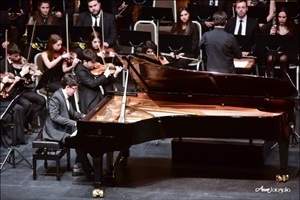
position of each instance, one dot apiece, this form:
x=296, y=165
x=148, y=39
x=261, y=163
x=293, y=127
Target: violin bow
x=100, y=49
x=31, y=40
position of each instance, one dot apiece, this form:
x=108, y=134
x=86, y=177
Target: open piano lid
x=152, y=77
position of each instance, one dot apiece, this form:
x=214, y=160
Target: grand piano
x=170, y=102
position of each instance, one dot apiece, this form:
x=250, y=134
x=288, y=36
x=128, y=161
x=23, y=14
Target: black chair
x=49, y=150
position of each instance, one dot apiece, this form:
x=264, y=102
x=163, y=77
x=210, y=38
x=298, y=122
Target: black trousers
x=12, y=125
x=33, y=104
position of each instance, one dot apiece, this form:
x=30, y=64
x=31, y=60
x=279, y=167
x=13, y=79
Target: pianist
x=61, y=121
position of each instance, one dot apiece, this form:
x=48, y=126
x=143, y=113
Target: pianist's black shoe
x=77, y=170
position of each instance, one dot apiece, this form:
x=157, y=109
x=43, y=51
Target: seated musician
x=89, y=88
x=284, y=26
x=150, y=48
x=55, y=57
x=61, y=121
x=32, y=102
x=94, y=43
x=184, y=26
x=7, y=132
x=42, y=16
x=92, y=18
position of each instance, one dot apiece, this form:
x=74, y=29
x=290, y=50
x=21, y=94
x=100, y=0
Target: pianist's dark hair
x=69, y=80
x=89, y=55
x=220, y=18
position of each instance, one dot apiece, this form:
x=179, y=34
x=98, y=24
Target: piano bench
x=49, y=150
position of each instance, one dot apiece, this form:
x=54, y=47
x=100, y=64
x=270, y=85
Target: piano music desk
x=244, y=65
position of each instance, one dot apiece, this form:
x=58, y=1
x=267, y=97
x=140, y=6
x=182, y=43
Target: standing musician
x=93, y=18
x=32, y=102
x=89, y=87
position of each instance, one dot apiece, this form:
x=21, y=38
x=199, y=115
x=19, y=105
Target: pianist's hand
x=118, y=70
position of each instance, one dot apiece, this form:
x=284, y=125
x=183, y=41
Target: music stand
x=157, y=14
x=48, y=77
x=244, y=42
x=13, y=148
x=133, y=39
x=42, y=32
x=259, y=13
x=82, y=33
x=175, y=43
x=273, y=43
x=292, y=7
x=202, y=13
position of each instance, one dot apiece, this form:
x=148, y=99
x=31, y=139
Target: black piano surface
x=192, y=89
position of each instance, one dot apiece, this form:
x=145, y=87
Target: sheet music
x=240, y=64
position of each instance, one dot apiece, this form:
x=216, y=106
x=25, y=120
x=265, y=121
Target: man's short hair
x=89, y=55
x=220, y=18
x=69, y=80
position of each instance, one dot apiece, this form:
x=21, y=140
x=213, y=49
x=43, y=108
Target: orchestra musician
x=284, y=26
x=270, y=6
x=89, y=87
x=224, y=5
x=42, y=16
x=242, y=24
x=54, y=57
x=32, y=102
x=17, y=11
x=17, y=118
x=184, y=26
x=93, y=18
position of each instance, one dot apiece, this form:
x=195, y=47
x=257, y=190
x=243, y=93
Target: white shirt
x=96, y=20
x=237, y=25
x=213, y=2
x=66, y=98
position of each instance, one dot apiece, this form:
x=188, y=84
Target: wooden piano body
x=184, y=103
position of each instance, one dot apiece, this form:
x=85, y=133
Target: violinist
x=31, y=102
x=89, y=87
x=16, y=117
x=94, y=43
x=42, y=16
x=54, y=57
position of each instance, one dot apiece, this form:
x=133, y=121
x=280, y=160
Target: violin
x=11, y=82
x=100, y=69
x=62, y=51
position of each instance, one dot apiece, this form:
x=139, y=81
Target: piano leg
x=97, y=164
x=283, y=175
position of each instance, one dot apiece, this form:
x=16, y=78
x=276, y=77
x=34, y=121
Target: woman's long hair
x=38, y=15
x=179, y=23
x=289, y=21
x=52, y=40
